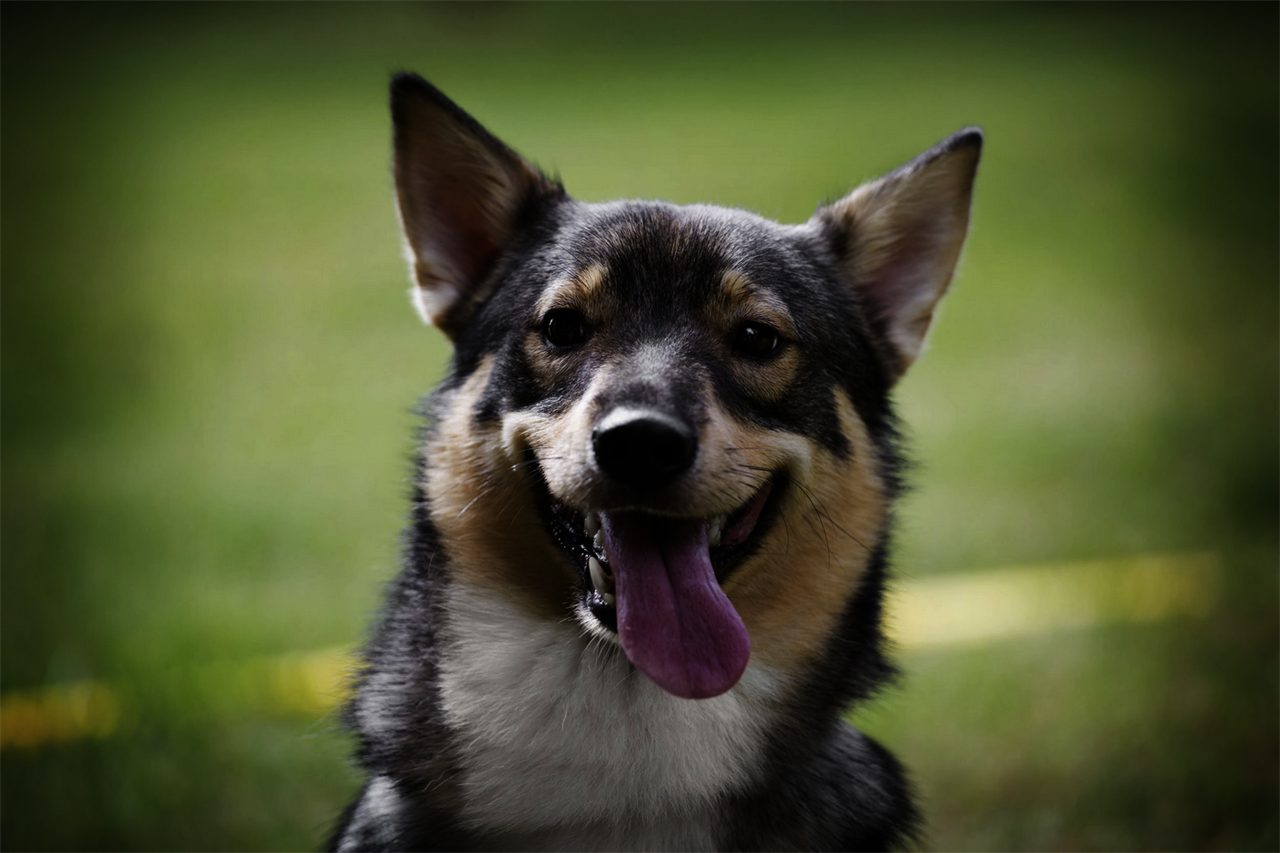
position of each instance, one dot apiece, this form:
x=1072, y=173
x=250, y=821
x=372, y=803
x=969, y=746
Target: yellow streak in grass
x=62, y=712
x=953, y=610
x=930, y=613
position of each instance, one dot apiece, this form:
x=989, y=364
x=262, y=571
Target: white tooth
x=599, y=540
x=715, y=529
x=598, y=578
x=608, y=598
x=592, y=524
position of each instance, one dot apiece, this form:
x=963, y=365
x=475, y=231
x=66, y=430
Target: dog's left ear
x=463, y=197
x=897, y=240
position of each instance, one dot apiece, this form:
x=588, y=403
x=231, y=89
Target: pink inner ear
x=904, y=289
x=460, y=191
x=901, y=238
x=450, y=231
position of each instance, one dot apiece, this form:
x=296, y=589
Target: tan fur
x=488, y=519
x=741, y=301
x=792, y=592
x=561, y=443
x=582, y=290
x=736, y=288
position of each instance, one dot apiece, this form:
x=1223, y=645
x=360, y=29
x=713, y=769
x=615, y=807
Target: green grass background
x=209, y=361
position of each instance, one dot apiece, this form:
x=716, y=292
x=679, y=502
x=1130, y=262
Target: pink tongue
x=675, y=622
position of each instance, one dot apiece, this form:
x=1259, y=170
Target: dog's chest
x=562, y=744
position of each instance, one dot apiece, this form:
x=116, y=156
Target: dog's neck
x=556, y=729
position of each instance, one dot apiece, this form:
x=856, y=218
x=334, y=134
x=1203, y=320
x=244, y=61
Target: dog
x=644, y=570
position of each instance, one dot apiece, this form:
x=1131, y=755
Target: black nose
x=643, y=448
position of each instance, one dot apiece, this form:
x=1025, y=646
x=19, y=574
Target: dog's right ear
x=462, y=196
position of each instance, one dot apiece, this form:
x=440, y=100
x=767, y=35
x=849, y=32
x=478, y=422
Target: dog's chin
x=731, y=538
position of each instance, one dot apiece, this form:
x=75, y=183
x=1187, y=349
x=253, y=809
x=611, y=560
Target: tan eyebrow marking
x=736, y=288
x=741, y=298
x=580, y=288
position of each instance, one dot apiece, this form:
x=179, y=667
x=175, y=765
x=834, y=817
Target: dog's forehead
x=660, y=247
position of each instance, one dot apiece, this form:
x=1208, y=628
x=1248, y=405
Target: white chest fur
x=563, y=743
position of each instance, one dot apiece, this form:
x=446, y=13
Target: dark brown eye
x=564, y=327
x=756, y=340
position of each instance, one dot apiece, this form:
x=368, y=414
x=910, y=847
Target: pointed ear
x=462, y=196
x=897, y=240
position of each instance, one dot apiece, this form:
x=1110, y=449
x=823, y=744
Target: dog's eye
x=756, y=340
x=564, y=327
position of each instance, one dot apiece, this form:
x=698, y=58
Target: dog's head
x=671, y=420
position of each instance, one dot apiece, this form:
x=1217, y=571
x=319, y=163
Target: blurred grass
x=208, y=361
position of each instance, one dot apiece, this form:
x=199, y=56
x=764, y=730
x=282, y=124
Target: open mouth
x=656, y=581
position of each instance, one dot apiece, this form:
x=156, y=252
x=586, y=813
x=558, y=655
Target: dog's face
x=670, y=423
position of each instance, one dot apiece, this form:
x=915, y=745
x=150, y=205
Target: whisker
x=827, y=517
